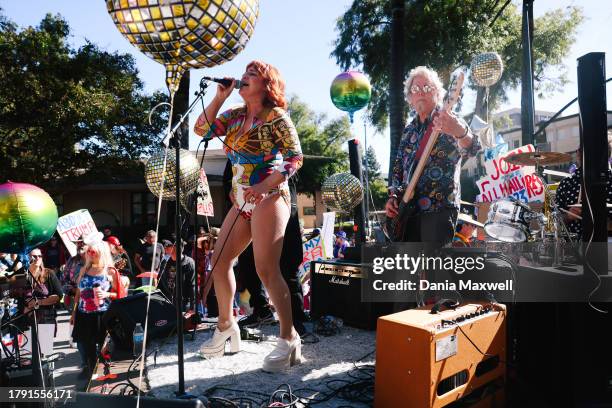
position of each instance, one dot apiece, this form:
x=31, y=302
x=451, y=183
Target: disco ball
x=216, y=31
x=189, y=174
x=486, y=68
x=183, y=34
x=342, y=192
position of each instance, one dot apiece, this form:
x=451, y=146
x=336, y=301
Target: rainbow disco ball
x=486, y=68
x=189, y=174
x=183, y=34
x=350, y=91
x=342, y=192
x=28, y=217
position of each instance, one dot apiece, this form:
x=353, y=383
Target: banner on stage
x=71, y=226
x=312, y=250
x=205, y=204
x=327, y=232
x=503, y=179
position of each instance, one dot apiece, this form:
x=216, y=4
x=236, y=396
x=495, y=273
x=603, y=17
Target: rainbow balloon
x=350, y=91
x=28, y=217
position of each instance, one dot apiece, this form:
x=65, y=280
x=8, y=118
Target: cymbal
x=538, y=158
x=466, y=218
x=579, y=205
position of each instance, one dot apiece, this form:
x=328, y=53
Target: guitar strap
x=424, y=141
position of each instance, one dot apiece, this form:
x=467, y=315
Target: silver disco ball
x=486, y=68
x=342, y=192
x=189, y=174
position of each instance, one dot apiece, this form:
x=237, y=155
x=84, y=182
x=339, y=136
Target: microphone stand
x=173, y=139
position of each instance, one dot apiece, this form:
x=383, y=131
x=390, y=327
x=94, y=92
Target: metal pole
x=527, y=101
x=396, y=91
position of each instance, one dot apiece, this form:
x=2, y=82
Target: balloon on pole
x=342, y=192
x=183, y=34
x=350, y=91
x=156, y=174
x=28, y=217
x=487, y=68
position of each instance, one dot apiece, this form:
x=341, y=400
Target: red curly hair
x=275, y=85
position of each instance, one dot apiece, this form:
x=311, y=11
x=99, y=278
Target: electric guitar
x=395, y=227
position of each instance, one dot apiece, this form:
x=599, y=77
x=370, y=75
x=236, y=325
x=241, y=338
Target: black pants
x=291, y=258
x=434, y=228
x=89, y=330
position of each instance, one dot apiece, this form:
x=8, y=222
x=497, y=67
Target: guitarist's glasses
x=426, y=89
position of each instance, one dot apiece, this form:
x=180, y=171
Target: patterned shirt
x=568, y=192
x=268, y=145
x=439, y=185
x=88, y=303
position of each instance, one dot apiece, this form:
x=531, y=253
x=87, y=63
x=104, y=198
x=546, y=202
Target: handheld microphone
x=224, y=82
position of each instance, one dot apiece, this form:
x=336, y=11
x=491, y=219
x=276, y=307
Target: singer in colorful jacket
x=263, y=146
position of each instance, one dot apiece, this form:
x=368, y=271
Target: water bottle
x=138, y=337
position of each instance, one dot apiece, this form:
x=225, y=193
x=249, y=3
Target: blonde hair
x=432, y=76
x=106, y=259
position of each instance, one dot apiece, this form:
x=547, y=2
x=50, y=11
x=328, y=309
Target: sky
x=297, y=37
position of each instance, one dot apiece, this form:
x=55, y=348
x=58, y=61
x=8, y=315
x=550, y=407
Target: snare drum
x=506, y=222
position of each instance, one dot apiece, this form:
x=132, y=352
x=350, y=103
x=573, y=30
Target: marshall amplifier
x=336, y=291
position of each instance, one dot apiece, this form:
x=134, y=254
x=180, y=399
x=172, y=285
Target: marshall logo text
x=339, y=281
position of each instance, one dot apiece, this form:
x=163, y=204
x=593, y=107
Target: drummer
x=569, y=192
x=464, y=232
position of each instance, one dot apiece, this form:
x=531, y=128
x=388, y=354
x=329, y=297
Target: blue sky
x=297, y=37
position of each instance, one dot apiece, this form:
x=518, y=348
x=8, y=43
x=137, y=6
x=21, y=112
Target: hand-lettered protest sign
x=503, y=179
x=71, y=226
x=312, y=250
x=205, y=204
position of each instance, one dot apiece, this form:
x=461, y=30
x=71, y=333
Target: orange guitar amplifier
x=431, y=360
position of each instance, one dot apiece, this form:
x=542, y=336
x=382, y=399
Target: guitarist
x=437, y=194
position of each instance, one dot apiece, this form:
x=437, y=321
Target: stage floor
x=329, y=364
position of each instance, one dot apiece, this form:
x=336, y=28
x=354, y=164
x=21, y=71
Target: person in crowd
x=107, y=233
x=9, y=263
x=143, y=258
x=167, y=277
x=340, y=245
x=71, y=272
x=437, y=194
x=315, y=233
x=120, y=256
x=263, y=146
x=97, y=285
x=46, y=291
x=464, y=234
x=202, y=255
x=54, y=254
x=569, y=194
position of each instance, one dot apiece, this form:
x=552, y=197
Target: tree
x=322, y=144
x=446, y=34
x=373, y=167
x=67, y=114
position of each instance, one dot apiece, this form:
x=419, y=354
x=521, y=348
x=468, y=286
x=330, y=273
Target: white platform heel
x=285, y=354
x=215, y=346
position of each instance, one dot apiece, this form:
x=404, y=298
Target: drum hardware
x=469, y=220
x=538, y=159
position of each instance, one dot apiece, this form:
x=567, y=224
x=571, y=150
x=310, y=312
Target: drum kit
x=511, y=221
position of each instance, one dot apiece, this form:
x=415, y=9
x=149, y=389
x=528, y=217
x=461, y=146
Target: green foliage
x=380, y=194
x=67, y=114
x=446, y=34
x=373, y=167
x=322, y=143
